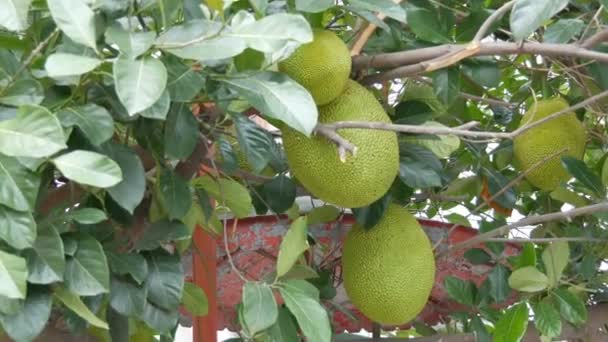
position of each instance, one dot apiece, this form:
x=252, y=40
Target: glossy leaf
x=64, y=64
x=528, y=279
x=462, y=291
x=75, y=19
x=254, y=142
x=34, y=132
x=556, y=257
x=129, y=192
x=571, y=307
x=13, y=275
x=546, y=318
x=183, y=82
x=134, y=265
x=139, y=83
x=18, y=228
x=302, y=299
x=22, y=92
x=284, y=329
x=227, y=192
x=160, y=108
x=74, y=303
x=279, y=97
x=419, y=167
x=95, y=121
x=89, y=168
x=19, y=186
x=46, y=261
x=14, y=14
x=262, y=35
x=424, y=22
x=294, y=243
x=159, y=319
x=512, y=325
x=87, y=273
x=195, y=300
x=259, y=307
x=86, y=215
x=27, y=324
x=165, y=281
x=528, y=15
x=583, y=174
x=370, y=215
x=126, y=297
x=131, y=44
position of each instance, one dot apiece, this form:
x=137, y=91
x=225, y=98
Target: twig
x=343, y=144
x=139, y=17
x=30, y=59
x=497, y=15
x=366, y=34
x=599, y=37
x=593, y=19
x=487, y=100
x=546, y=240
x=528, y=221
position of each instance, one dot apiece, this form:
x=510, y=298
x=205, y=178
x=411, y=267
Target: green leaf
x=46, y=261
x=302, y=299
x=259, y=307
x=14, y=14
x=463, y=291
x=34, y=132
x=158, y=318
x=31, y=319
x=313, y=6
x=568, y=196
x=161, y=232
x=18, y=228
x=300, y=271
x=446, y=83
x=571, y=307
x=74, y=303
x=546, y=318
x=556, y=257
x=13, y=274
x=325, y=213
x=183, y=82
x=195, y=300
x=496, y=182
x=87, y=273
x=90, y=168
x=176, y=194
x=139, y=83
x=583, y=174
x=499, y=286
x=262, y=35
x=131, y=44
x=386, y=7
x=425, y=23
x=227, y=192
x=280, y=193
x=441, y=145
x=370, y=215
x=165, y=280
x=563, y=30
x=528, y=279
x=512, y=325
x=279, y=97
x=181, y=132
x=95, y=121
x=605, y=172
x=294, y=243
x=160, y=108
x=419, y=167
x=19, y=187
x=86, y=215
x=66, y=64
x=132, y=264
x=480, y=329
x=254, y=142
x=477, y=256
x=129, y=192
x=75, y=19
x=484, y=72
x=23, y=92
x=127, y=298
x=528, y=15
x=10, y=306
x=284, y=329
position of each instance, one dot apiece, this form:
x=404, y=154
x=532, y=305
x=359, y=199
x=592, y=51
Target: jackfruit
x=539, y=142
x=362, y=178
x=389, y=270
x=321, y=66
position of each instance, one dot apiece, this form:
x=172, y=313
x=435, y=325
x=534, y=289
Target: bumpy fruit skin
x=363, y=178
x=389, y=271
x=321, y=66
x=546, y=139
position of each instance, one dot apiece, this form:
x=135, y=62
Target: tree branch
x=599, y=37
x=343, y=144
x=528, y=221
x=497, y=15
x=366, y=34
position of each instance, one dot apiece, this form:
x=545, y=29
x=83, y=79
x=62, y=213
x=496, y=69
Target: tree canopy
x=125, y=125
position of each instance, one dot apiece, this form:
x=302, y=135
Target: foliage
x=110, y=108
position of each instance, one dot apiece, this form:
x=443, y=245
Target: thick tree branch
x=528, y=221
x=599, y=37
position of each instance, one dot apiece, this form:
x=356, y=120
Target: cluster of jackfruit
x=388, y=270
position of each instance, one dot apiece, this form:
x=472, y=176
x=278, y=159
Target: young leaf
x=19, y=186
x=89, y=168
x=512, y=325
x=34, y=132
x=463, y=291
x=139, y=83
x=294, y=243
x=87, y=273
x=556, y=257
x=46, y=261
x=528, y=279
x=279, y=97
x=302, y=299
x=195, y=300
x=259, y=307
x=546, y=318
x=583, y=174
x=75, y=19
x=74, y=303
x=528, y=15
x=26, y=324
x=13, y=273
x=95, y=121
x=570, y=306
